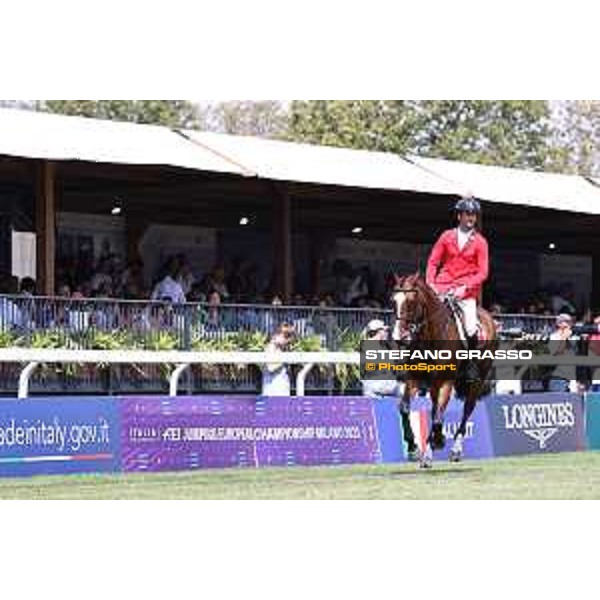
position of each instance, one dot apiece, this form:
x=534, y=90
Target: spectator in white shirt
x=169, y=289
x=275, y=376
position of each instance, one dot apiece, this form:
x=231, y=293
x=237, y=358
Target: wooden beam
x=45, y=221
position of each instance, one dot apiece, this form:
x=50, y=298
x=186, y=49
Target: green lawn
x=551, y=476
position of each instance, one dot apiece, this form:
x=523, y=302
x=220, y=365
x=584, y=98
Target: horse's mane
x=418, y=282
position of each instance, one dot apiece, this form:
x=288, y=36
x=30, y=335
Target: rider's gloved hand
x=460, y=291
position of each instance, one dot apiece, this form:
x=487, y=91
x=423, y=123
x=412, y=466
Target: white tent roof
x=288, y=161
x=56, y=137
x=31, y=134
x=516, y=186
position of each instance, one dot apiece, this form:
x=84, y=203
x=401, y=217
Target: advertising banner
x=56, y=435
x=537, y=423
x=225, y=431
x=477, y=442
x=592, y=421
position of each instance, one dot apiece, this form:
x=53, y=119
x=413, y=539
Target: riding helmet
x=468, y=204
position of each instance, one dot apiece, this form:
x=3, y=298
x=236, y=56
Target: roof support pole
x=282, y=238
x=595, y=300
x=320, y=245
x=135, y=228
x=45, y=225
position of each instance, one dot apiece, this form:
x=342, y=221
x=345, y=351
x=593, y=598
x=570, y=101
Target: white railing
x=32, y=357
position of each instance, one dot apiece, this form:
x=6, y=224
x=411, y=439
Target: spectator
x=28, y=307
x=214, y=301
x=359, y=287
x=10, y=313
x=250, y=279
x=196, y=294
x=218, y=283
x=64, y=291
x=27, y=287
x=78, y=293
x=132, y=279
x=594, y=350
x=275, y=376
x=169, y=289
x=377, y=331
x=298, y=300
x=561, y=345
x=185, y=277
x=102, y=279
x=561, y=301
x=235, y=282
x=496, y=309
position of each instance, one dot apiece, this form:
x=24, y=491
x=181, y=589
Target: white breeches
x=469, y=308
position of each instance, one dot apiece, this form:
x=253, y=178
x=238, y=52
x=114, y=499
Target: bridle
x=412, y=326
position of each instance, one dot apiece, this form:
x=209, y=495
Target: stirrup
x=472, y=371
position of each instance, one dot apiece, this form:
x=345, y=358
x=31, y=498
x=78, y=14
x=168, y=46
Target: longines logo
x=541, y=436
x=540, y=422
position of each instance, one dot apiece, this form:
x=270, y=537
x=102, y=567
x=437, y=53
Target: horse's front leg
x=437, y=437
x=440, y=396
x=410, y=390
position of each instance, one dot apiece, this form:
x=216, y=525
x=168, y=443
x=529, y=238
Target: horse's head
x=409, y=307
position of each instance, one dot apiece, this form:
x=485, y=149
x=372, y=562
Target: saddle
x=456, y=312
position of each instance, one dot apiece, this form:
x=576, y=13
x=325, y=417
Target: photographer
x=378, y=331
x=275, y=376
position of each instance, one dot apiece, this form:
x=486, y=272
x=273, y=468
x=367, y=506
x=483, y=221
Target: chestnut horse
x=421, y=316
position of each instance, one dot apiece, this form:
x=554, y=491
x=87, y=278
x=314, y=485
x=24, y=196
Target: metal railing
x=78, y=320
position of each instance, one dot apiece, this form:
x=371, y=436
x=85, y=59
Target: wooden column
x=282, y=238
x=135, y=227
x=45, y=224
x=320, y=243
x=595, y=299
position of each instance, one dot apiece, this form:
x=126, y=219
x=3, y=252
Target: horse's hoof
x=414, y=455
x=455, y=457
x=438, y=443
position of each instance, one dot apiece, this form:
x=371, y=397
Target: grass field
x=550, y=476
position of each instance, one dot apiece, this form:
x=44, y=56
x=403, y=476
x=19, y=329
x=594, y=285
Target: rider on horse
x=459, y=264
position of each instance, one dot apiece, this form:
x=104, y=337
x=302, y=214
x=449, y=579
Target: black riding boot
x=472, y=372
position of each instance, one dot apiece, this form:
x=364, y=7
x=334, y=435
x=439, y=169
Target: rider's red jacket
x=448, y=267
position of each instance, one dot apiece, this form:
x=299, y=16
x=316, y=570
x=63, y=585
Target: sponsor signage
x=223, y=431
x=537, y=423
x=592, y=421
x=83, y=435
x=49, y=436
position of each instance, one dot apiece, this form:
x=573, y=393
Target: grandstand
x=300, y=233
